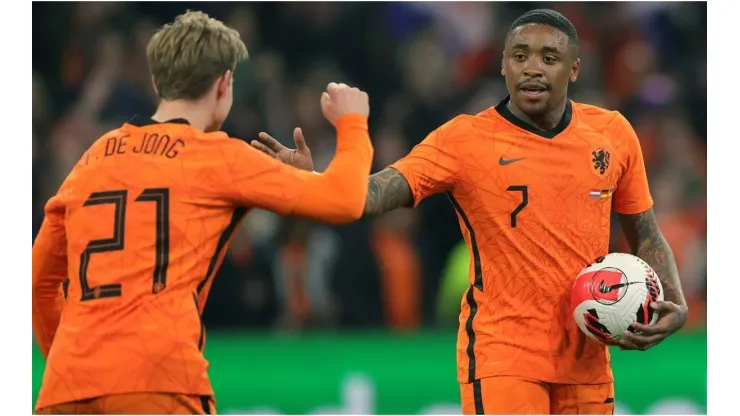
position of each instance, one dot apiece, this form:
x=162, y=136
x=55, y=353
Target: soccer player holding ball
x=534, y=181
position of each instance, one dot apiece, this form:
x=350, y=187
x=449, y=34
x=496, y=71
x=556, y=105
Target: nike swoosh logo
x=503, y=162
x=606, y=289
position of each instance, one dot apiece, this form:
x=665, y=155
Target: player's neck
x=547, y=121
x=189, y=110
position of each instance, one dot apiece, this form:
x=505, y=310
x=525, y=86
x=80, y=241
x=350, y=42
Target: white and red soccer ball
x=612, y=293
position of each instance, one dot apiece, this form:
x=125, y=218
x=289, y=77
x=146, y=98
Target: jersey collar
x=503, y=110
x=140, y=121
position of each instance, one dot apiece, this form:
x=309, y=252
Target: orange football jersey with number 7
x=534, y=208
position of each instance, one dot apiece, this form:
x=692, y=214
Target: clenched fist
x=341, y=99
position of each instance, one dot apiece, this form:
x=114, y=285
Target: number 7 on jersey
x=525, y=200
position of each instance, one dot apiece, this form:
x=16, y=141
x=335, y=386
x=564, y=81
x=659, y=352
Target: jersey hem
x=90, y=395
x=606, y=378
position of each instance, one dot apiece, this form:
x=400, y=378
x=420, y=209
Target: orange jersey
x=534, y=208
x=140, y=227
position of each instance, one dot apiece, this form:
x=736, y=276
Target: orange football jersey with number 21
x=140, y=228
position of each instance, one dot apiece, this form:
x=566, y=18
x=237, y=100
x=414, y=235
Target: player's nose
x=532, y=72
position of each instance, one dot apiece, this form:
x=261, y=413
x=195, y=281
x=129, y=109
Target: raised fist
x=341, y=99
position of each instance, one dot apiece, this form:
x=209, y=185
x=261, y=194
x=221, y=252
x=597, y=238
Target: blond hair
x=188, y=55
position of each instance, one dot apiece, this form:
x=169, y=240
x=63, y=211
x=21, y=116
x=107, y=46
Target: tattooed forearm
x=387, y=190
x=647, y=242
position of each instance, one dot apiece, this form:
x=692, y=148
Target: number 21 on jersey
x=161, y=198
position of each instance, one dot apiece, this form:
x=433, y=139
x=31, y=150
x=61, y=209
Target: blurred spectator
x=392, y=241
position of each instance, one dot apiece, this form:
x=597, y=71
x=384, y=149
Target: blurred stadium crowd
x=422, y=63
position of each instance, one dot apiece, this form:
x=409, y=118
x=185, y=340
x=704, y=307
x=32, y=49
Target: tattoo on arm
x=387, y=190
x=647, y=242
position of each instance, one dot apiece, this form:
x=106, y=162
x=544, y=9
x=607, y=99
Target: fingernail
x=653, y=305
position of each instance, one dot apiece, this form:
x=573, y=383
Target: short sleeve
x=632, y=195
x=433, y=166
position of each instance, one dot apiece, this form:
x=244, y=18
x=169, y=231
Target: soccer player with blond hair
x=129, y=246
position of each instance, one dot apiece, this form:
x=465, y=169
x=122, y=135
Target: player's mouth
x=532, y=89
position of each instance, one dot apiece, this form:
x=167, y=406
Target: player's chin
x=537, y=108
x=533, y=103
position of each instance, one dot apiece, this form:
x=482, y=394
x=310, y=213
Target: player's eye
x=520, y=56
x=549, y=59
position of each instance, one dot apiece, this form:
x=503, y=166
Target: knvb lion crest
x=600, y=159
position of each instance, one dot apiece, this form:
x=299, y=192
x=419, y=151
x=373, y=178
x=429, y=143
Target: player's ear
x=503, y=58
x=575, y=70
x=223, y=83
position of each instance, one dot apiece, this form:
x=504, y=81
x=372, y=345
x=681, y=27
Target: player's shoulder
x=598, y=118
x=158, y=143
x=483, y=122
x=460, y=122
x=103, y=138
x=494, y=120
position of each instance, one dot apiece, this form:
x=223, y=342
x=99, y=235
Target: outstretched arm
x=647, y=242
x=387, y=190
x=245, y=177
x=432, y=167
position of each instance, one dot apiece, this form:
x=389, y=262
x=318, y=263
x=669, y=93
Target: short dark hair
x=550, y=18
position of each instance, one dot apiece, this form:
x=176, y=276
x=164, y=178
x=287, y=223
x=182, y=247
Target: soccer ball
x=611, y=294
